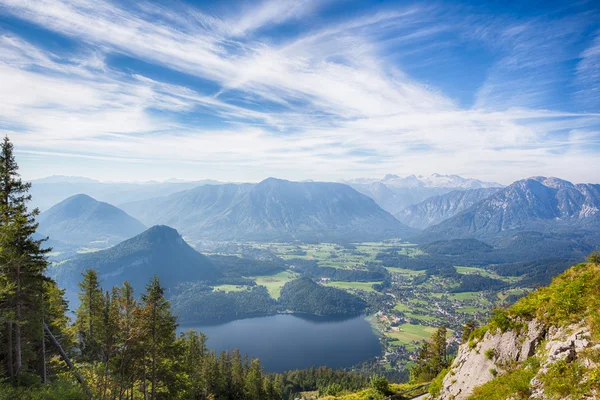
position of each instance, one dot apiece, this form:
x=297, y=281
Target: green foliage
x=432, y=358
x=59, y=390
x=571, y=296
x=566, y=379
x=304, y=295
x=513, y=384
x=468, y=328
x=436, y=385
x=490, y=353
x=379, y=384
x=594, y=258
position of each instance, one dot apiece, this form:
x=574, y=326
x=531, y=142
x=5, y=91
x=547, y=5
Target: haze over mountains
x=273, y=209
x=81, y=219
x=48, y=191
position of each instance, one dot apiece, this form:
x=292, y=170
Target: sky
x=305, y=89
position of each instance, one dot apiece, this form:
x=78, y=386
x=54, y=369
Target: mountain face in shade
x=436, y=209
x=273, y=209
x=159, y=251
x=536, y=204
x=80, y=220
x=394, y=193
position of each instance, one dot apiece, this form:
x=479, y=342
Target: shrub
x=436, y=385
x=59, y=390
x=490, y=353
x=566, y=379
x=380, y=384
x=512, y=384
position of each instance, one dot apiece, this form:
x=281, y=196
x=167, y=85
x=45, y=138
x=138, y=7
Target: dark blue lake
x=286, y=341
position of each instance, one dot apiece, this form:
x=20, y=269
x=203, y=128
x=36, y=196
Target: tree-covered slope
x=273, y=209
x=159, y=251
x=81, y=219
x=305, y=296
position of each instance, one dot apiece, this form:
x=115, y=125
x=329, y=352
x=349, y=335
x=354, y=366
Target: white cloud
x=343, y=110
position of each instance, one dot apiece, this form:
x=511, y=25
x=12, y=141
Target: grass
x=366, y=286
x=464, y=296
x=274, y=283
x=402, y=307
x=230, y=288
x=410, y=333
x=403, y=271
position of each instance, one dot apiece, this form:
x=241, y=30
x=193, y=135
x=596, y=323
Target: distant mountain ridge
x=46, y=192
x=273, y=209
x=435, y=209
x=394, y=193
x=80, y=219
x=534, y=204
x=433, y=181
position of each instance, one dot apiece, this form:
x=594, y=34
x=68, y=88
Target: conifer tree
x=159, y=325
x=22, y=264
x=90, y=320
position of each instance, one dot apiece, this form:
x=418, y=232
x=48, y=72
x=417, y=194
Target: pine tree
x=159, y=326
x=22, y=264
x=90, y=322
x=254, y=381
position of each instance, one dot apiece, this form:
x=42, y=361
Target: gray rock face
x=534, y=204
x=439, y=208
x=472, y=366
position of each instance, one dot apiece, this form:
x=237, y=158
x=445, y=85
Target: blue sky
x=324, y=90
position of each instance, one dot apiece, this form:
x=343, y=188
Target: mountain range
x=80, y=219
x=273, y=209
x=394, y=193
x=536, y=204
x=436, y=209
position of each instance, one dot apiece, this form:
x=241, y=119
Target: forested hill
x=153, y=252
x=273, y=209
x=305, y=296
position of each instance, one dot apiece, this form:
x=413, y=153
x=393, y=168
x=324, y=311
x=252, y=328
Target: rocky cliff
x=547, y=346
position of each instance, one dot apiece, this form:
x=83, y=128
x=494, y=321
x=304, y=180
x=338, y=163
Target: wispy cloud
x=326, y=102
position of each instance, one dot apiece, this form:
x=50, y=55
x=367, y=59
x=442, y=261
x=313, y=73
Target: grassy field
x=366, y=286
x=274, y=283
x=230, y=288
x=409, y=333
x=408, y=272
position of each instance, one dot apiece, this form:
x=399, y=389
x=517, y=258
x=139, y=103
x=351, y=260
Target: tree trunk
x=10, y=361
x=44, y=378
x=18, y=357
x=63, y=354
x=154, y=354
